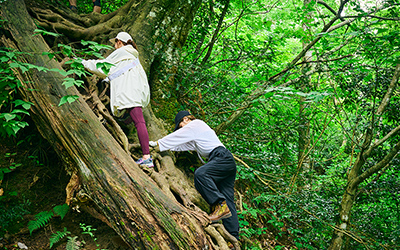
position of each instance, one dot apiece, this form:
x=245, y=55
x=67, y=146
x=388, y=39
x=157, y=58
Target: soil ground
x=38, y=184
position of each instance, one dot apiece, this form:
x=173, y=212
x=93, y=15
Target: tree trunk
x=144, y=211
x=356, y=175
x=301, y=178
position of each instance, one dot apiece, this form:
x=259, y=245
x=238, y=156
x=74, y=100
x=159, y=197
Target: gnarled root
x=72, y=186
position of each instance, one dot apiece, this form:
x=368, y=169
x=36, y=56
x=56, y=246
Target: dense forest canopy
x=304, y=93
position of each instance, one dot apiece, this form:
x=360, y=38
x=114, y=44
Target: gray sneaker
x=149, y=162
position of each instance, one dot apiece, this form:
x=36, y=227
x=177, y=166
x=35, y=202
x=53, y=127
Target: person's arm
x=113, y=58
x=180, y=140
x=90, y=65
x=153, y=144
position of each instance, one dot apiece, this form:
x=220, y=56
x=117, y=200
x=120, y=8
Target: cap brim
x=112, y=40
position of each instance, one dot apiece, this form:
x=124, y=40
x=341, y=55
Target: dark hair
x=190, y=117
x=130, y=42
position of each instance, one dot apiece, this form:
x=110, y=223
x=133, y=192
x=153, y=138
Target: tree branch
x=215, y=35
x=386, y=18
x=372, y=170
x=261, y=90
x=389, y=93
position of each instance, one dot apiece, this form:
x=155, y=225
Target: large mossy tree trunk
x=141, y=206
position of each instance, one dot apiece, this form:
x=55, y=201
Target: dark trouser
x=215, y=182
x=136, y=115
x=96, y=3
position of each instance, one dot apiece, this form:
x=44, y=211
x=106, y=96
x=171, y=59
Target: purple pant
x=136, y=114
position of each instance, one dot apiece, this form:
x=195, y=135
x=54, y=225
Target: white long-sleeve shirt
x=195, y=136
x=130, y=89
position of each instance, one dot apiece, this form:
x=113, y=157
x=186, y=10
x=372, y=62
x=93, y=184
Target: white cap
x=122, y=36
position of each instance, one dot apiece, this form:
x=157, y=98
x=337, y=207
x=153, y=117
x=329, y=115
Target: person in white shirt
x=215, y=180
x=129, y=88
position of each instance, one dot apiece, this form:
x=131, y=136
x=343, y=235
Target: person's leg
x=205, y=184
x=210, y=174
x=72, y=2
x=72, y=5
x=215, y=182
x=136, y=114
x=226, y=187
x=97, y=6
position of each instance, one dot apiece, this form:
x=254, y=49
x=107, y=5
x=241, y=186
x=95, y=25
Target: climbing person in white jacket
x=129, y=89
x=214, y=180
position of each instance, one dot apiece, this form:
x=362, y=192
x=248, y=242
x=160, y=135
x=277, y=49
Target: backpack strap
x=119, y=72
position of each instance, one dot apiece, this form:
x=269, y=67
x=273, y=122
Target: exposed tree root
x=171, y=180
x=221, y=243
x=227, y=236
x=72, y=186
x=88, y=26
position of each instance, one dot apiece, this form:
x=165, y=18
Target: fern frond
x=57, y=236
x=41, y=219
x=61, y=210
x=72, y=243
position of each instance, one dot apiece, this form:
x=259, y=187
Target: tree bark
x=141, y=206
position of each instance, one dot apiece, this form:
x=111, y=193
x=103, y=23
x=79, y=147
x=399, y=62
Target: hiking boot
x=221, y=212
x=149, y=162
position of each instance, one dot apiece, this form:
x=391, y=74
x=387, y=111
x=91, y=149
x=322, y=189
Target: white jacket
x=194, y=136
x=130, y=89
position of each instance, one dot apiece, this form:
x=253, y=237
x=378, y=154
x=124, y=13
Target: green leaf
x=41, y=219
x=9, y=116
x=69, y=82
x=105, y=66
x=67, y=50
x=57, y=236
x=14, y=166
x=49, y=54
x=33, y=66
x=17, y=111
x=13, y=193
x=95, y=46
x=61, y=210
x=4, y=59
x=84, y=43
x=72, y=243
x=5, y=170
x=10, y=55
x=24, y=104
x=68, y=98
x=368, y=77
x=268, y=95
x=44, y=32
x=62, y=72
x=14, y=65
x=267, y=24
x=79, y=72
x=18, y=65
x=12, y=127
